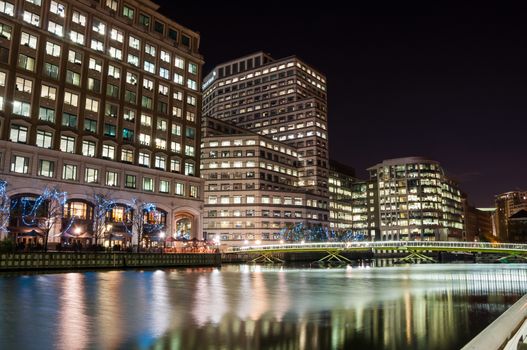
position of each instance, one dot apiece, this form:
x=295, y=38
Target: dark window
x=128, y=135
x=109, y=130
x=172, y=34
x=162, y=107
x=69, y=120
x=90, y=125
x=51, y=70
x=4, y=55
x=144, y=20
x=129, y=181
x=185, y=40
x=257, y=62
x=159, y=27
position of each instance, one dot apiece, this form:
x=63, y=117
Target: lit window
x=18, y=133
x=165, y=56
x=78, y=18
x=91, y=175
x=189, y=151
x=148, y=184
x=146, y=120
x=192, y=68
x=191, y=100
x=128, y=12
x=131, y=78
x=74, y=57
x=108, y=151
x=175, y=147
x=149, y=67
x=134, y=43
x=161, y=143
x=127, y=156
x=20, y=164
x=76, y=37
x=129, y=115
x=133, y=60
x=88, y=148
x=175, y=165
x=24, y=85
x=97, y=45
x=191, y=116
x=177, y=112
x=116, y=35
x=116, y=53
x=21, y=108
x=95, y=64
x=29, y=17
x=148, y=84
x=57, y=8
x=69, y=172
x=178, y=79
x=160, y=162
x=46, y=168
x=92, y=105
x=180, y=191
x=67, y=144
x=112, y=4
x=55, y=28
x=28, y=40
x=144, y=139
x=150, y=50
x=144, y=159
x=189, y=169
x=73, y=78
x=176, y=129
x=164, y=73
x=114, y=72
x=164, y=186
x=7, y=8
x=5, y=31
x=26, y=62
x=71, y=99
x=179, y=62
x=46, y=114
x=52, y=49
x=44, y=139
x=178, y=95
x=163, y=90
x=98, y=26
x=112, y=178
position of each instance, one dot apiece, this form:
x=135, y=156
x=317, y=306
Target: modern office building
x=340, y=187
x=508, y=204
x=284, y=101
x=479, y=224
x=100, y=96
x=416, y=200
x=252, y=191
x=365, y=209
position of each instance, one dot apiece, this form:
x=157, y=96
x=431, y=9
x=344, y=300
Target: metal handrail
x=382, y=244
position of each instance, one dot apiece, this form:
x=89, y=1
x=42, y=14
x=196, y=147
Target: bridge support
x=333, y=256
x=267, y=257
x=512, y=255
x=416, y=256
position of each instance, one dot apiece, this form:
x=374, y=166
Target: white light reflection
x=73, y=324
x=160, y=306
x=209, y=299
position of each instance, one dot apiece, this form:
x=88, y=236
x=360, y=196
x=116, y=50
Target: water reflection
x=257, y=307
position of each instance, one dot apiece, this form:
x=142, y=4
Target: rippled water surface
x=257, y=307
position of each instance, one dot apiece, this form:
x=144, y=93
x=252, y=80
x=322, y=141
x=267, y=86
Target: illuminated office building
x=417, y=201
x=251, y=186
x=100, y=96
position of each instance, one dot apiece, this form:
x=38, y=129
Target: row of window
x=47, y=168
x=250, y=199
x=44, y=139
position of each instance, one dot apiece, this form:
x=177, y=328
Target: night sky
x=449, y=88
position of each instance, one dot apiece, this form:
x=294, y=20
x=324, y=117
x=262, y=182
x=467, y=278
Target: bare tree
x=102, y=204
x=5, y=208
x=138, y=210
x=46, y=211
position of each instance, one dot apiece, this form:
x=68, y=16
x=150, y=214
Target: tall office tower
x=341, y=180
x=100, y=96
x=416, y=200
x=251, y=186
x=282, y=99
x=508, y=204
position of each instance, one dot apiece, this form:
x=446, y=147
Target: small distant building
x=508, y=204
x=340, y=187
x=479, y=224
x=517, y=225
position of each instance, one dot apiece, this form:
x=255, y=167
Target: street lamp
x=162, y=235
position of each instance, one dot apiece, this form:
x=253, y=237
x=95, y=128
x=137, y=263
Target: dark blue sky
x=450, y=88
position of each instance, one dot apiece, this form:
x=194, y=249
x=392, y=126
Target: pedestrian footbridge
x=415, y=249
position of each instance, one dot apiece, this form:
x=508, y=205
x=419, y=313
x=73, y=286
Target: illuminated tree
x=46, y=211
x=102, y=204
x=139, y=209
x=5, y=208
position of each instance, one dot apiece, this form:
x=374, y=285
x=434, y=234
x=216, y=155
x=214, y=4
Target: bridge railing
x=381, y=245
